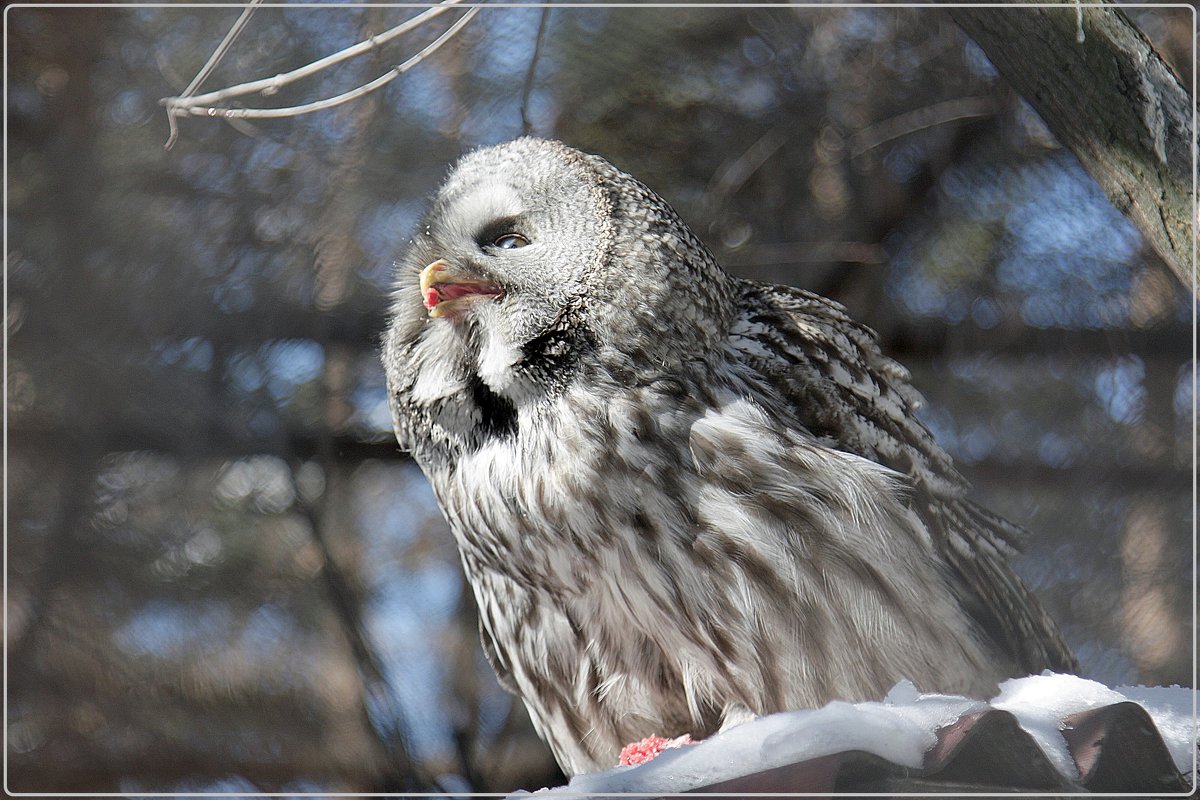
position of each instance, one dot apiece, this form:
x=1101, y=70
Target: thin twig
x=222, y=48
x=210, y=65
x=922, y=118
x=527, y=91
x=180, y=106
x=176, y=80
x=269, y=86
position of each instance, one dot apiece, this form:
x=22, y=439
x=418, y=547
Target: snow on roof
x=1057, y=732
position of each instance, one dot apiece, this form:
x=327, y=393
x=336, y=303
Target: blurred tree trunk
x=1112, y=100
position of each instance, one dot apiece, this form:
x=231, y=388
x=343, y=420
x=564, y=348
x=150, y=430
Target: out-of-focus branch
x=62, y=560
x=203, y=105
x=1110, y=98
x=920, y=119
x=527, y=89
x=382, y=714
x=733, y=174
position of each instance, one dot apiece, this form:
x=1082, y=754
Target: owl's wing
x=830, y=374
x=497, y=662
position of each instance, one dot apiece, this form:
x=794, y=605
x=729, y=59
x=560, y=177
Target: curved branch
x=959, y=108
x=201, y=105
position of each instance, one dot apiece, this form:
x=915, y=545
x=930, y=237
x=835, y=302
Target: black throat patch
x=498, y=416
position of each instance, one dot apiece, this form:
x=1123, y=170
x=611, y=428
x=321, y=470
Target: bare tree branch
x=202, y=105
x=207, y=69
x=222, y=48
x=1110, y=98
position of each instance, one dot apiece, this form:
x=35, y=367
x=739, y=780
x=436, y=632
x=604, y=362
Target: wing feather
x=842, y=388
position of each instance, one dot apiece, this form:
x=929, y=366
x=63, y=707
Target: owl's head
x=535, y=262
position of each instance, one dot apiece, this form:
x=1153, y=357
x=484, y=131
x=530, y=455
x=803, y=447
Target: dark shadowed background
x=222, y=574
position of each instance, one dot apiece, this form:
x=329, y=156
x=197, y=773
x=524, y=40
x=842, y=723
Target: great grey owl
x=682, y=499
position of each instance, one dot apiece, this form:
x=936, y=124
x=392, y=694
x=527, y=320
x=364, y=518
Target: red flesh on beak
x=446, y=292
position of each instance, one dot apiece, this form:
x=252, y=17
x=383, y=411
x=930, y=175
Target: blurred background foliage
x=222, y=574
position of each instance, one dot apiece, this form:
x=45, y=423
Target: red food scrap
x=648, y=748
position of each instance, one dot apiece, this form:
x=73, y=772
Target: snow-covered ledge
x=928, y=740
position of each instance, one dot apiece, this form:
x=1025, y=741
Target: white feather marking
x=486, y=202
x=437, y=358
x=610, y=685
x=689, y=676
x=433, y=384
x=496, y=360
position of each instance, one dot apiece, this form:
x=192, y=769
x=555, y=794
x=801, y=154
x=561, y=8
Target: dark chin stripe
x=498, y=416
x=549, y=361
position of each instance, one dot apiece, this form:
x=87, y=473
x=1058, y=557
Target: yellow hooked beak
x=447, y=292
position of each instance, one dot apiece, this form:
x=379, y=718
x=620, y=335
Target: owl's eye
x=510, y=241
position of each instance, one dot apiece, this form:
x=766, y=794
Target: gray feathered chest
x=680, y=499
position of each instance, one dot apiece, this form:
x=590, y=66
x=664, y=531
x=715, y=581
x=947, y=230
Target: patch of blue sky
x=1056, y=450
x=755, y=95
x=1065, y=257
x=231, y=784
x=263, y=423
x=941, y=424
x=418, y=601
x=983, y=191
x=327, y=30
x=497, y=120
x=169, y=629
x=756, y=52
x=408, y=610
x=264, y=631
x=978, y=62
x=246, y=373
x=193, y=353
x=425, y=98
x=975, y=443
x=1068, y=249
x=278, y=223
x=234, y=295
x=1185, y=391
x=290, y=363
x=371, y=412
x=1105, y=664
x=1120, y=389
x=503, y=56
x=265, y=156
x=859, y=26
x=906, y=160
x=392, y=501
x=383, y=233
x=1062, y=209
x=131, y=107
x=181, y=35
